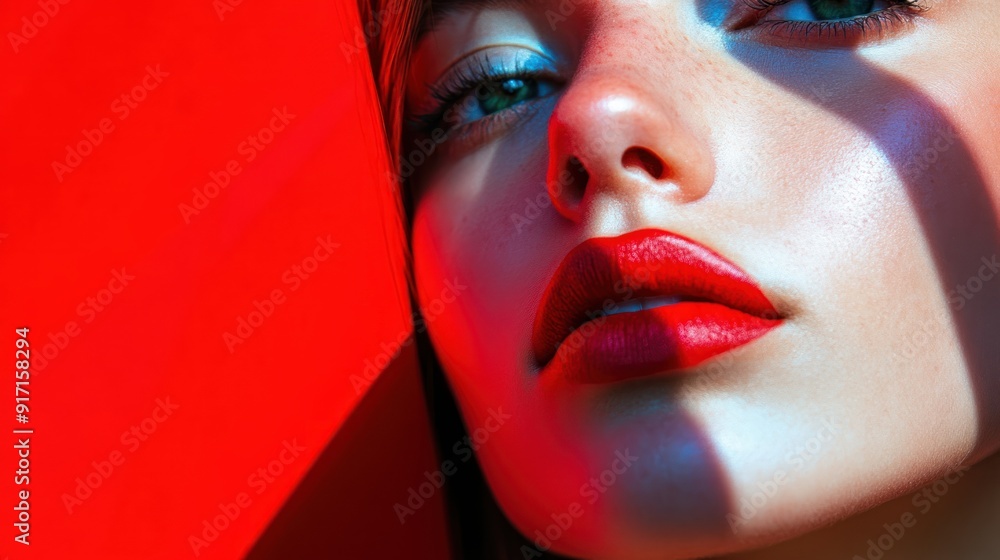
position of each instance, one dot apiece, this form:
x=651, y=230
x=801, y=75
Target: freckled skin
x=841, y=195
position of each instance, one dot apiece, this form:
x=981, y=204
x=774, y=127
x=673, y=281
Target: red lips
x=590, y=327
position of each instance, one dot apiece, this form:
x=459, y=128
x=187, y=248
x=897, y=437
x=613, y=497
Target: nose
x=608, y=137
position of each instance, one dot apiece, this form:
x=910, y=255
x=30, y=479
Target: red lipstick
x=642, y=303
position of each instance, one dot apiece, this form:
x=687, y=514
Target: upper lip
x=602, y=273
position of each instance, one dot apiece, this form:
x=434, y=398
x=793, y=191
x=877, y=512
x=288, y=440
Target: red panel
x=173, y=172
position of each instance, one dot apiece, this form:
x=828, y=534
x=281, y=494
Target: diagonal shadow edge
x=960, y=229
x=343, y=506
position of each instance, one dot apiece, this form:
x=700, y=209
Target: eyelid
x=751, y=17
x=458, y=83
x=524, y=57
x=750, y=12
x=472, y=54
x=470, y=136
x=504, y=57
x=745, y=13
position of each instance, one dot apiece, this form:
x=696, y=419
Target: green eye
x=840, y=9
x=497, y=96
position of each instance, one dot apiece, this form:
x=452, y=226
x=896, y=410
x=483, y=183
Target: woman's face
x=708, y=274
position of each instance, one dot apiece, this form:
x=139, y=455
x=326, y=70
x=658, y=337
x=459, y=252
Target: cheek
x=463, y=241
x=480, y=224
x=876, y=345
x=436, y=267
x=463, y=233
x=873, y=344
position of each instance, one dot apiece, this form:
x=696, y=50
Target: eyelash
x=481, y=71
x=860, y=28
x=466, y=82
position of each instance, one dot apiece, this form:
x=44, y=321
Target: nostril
x=644, y=160
x=574, y=177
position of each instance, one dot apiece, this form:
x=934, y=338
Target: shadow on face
x=947, y=190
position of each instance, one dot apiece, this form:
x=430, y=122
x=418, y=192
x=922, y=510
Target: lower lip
x=663, y=339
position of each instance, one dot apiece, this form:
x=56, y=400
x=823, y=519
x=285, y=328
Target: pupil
x=511, y=86
x=840, y=9
x=501, y=95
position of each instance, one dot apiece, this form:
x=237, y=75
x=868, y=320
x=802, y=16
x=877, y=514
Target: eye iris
x=840, y=9
x=506, y=93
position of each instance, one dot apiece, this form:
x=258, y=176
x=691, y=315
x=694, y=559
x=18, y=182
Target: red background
x=224, y=70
